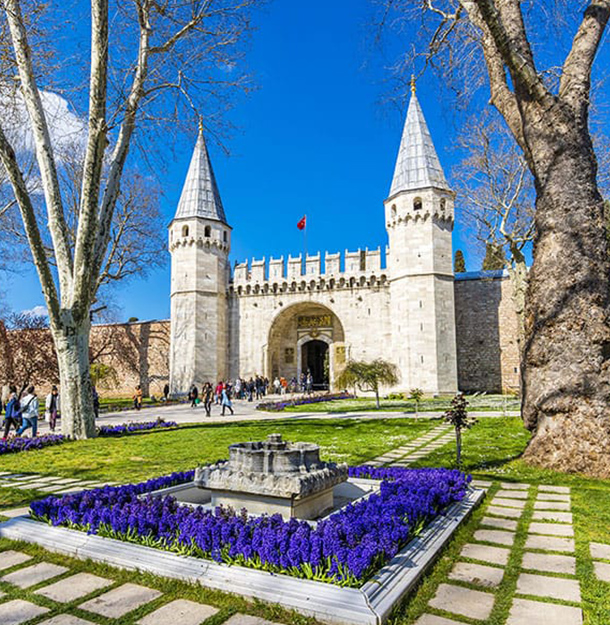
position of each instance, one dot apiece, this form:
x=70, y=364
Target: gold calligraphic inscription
x=289, y=355
x=340, y=355
x=317, y=321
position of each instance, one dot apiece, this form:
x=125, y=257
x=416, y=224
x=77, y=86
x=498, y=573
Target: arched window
x=208, y=231
x=417, y=204
x=224, y=236
x=393, y=211
x=443, y=203
x=185, y=231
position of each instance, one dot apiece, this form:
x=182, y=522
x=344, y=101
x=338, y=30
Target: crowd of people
x=255, y=388
x=22, y=410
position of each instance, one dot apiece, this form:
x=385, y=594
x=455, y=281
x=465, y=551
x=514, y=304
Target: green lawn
x=481, y=403
x=491, y=450
x=141, y=456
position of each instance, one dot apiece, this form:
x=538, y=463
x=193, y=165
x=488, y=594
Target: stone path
x=90, y=597
x=416, y=449
x=599, y=553
x=544, y=587
x=47, y=483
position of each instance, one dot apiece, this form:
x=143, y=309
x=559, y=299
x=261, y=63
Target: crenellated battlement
x=351, y=269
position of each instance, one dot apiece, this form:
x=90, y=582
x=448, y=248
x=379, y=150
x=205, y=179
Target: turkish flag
x=301, y=225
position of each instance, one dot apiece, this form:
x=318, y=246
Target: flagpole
x=305, y=242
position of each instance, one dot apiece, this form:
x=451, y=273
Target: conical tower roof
x=417, y=165
x=200, y=196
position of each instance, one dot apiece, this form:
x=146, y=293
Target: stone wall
x=486, y=330
x=139, y=354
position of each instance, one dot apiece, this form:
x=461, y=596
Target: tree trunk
x=458, y=445
x=566, y=390
x=72, y=345
x=377, y=398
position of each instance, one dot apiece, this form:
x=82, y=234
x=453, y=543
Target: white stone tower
x=419, y=221
x=199, y=243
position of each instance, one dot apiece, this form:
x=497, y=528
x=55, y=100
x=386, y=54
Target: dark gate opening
x=315, y=360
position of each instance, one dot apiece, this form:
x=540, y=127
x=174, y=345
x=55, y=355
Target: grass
x=482, y=403
x=226, y=604
x=140, y=456
x=492, y=450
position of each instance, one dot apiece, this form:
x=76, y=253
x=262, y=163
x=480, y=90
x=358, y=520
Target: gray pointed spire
x=200, y=196
x=417, y=165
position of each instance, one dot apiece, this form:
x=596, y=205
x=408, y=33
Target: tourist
x=29, y=413
x=218, y=392
x=208, y=398
x=51, y=407
x=309, y=383
x=277, y=386
x=137, y=398
x=258, y=385
x=166, y=392
x=225, y=400
x=12, y=414
x=96, y=402
x=194, y=396
x=250, y=389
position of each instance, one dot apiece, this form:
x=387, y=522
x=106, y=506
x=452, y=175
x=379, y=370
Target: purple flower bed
x=345, y=549
x=15, y=445
x=278, y=406
x=128, y=428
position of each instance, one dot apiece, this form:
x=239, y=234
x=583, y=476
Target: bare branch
x=575, y=81
x=42, y=141
x=22, y=197
x=94, y=155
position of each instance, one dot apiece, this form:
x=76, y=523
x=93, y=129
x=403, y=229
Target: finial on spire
x=413, y=84
x=200, y=123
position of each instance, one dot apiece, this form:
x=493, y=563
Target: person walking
x=193, y=396
x=208, y=398
x=12, y=414
x=218, y=392
x=137, y=398
x=29, y=413
x=166, y=393
x=51, y=407
x=225, y=400
x=96, y=402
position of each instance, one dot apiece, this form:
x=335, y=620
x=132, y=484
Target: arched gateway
x=306, y=337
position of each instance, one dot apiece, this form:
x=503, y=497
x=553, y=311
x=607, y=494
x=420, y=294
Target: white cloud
x=68, y=131
x=37, y=311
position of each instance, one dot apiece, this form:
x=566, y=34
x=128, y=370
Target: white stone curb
x=369, y=605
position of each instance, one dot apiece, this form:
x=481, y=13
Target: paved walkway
x=31, y=588
x=525, y=542
x=416, y=449
x=246, y=411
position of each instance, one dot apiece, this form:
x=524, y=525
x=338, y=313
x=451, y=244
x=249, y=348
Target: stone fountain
x=273, y=476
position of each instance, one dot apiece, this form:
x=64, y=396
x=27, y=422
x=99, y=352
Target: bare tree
x=151, y=61
x=496, y=193
x=566, y=354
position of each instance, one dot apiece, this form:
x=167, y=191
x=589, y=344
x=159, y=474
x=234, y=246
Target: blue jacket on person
x=13, y=408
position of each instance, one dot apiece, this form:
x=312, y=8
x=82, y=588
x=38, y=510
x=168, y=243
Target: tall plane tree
x=566, y=353
x=149, y=62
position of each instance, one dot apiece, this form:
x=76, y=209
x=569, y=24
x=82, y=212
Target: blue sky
x=318, y=137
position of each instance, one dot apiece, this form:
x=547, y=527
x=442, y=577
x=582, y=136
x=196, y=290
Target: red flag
x=301, y=225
